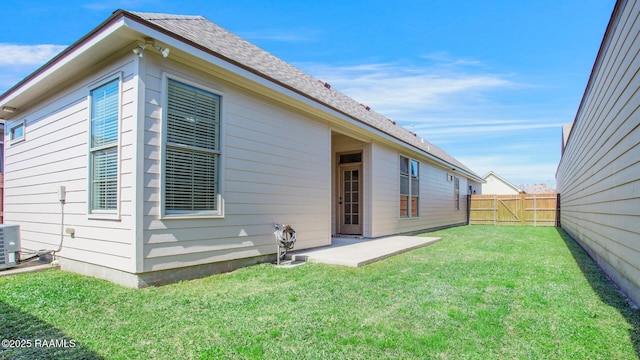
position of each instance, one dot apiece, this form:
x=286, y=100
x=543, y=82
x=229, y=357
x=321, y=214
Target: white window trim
x=409, y=216
x=21, y=124
x=220, y=212
x=105, y=214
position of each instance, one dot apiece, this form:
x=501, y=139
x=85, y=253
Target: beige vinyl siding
x=598, y=175
x=437, y=206
x=55, y=153
x=275, y=168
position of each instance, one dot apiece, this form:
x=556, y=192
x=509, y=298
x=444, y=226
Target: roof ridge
x=164, y=16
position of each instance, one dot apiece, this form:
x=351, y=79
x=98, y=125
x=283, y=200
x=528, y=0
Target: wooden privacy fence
x=521, y=209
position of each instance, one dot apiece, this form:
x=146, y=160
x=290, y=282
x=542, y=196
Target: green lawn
x=482, y=292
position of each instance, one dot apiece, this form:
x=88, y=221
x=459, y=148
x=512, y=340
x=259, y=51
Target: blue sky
x=491, y=82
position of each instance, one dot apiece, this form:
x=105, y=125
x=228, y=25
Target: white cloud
x=20, y=55
x=18, y=61
x=407, y=92
x=456, y=129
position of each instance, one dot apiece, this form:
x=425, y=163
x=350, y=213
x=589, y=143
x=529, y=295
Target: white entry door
x=350, y=199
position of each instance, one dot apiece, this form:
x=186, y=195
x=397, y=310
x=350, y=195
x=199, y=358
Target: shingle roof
x=199, y=30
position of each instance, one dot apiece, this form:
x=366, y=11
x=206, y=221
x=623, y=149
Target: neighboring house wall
x=598, y=175
x=499, y=186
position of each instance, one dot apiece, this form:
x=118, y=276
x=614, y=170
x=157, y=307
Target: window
x=351, y=158
x=104, y=146
x=409, y=187
x=16, y=133
x=456, y=191
x=191, y=151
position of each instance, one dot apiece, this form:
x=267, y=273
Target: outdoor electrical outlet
x=70, y=231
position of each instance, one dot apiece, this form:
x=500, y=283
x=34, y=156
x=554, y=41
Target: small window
x=17, y=132
x=350, y=158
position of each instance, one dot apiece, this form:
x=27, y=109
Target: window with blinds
x=409, y=187
x=191, y=150
x=456, y=192
x=104, y=146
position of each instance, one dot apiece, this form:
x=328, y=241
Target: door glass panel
x=351, y=195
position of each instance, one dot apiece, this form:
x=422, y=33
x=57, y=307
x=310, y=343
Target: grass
x=483, y=293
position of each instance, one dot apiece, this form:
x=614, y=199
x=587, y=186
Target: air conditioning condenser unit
x=9, y=246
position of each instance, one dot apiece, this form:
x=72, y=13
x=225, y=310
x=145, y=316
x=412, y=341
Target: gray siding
x=275, y=169
x=436, y=201
x=598, y=176
x=55, y=153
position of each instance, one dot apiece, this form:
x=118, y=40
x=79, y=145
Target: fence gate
x=521, y=209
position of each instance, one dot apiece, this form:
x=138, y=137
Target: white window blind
x=104, y=146
x=192, y=150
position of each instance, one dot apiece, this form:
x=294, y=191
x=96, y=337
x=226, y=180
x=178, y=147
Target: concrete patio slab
x=359, y=252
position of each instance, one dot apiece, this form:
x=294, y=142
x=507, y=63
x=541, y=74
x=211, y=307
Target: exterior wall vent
x=326, y=84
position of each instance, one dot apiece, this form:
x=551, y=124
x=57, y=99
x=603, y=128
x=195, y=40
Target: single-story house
x=496, y=184
x=176, y=146
x=598, y=176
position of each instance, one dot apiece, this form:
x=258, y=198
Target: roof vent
x=367, y=107
x=326, y=84
x=392, y=121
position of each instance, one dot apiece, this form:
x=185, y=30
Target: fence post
x=558, y=224
x=469, y=209
x=495, y=210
